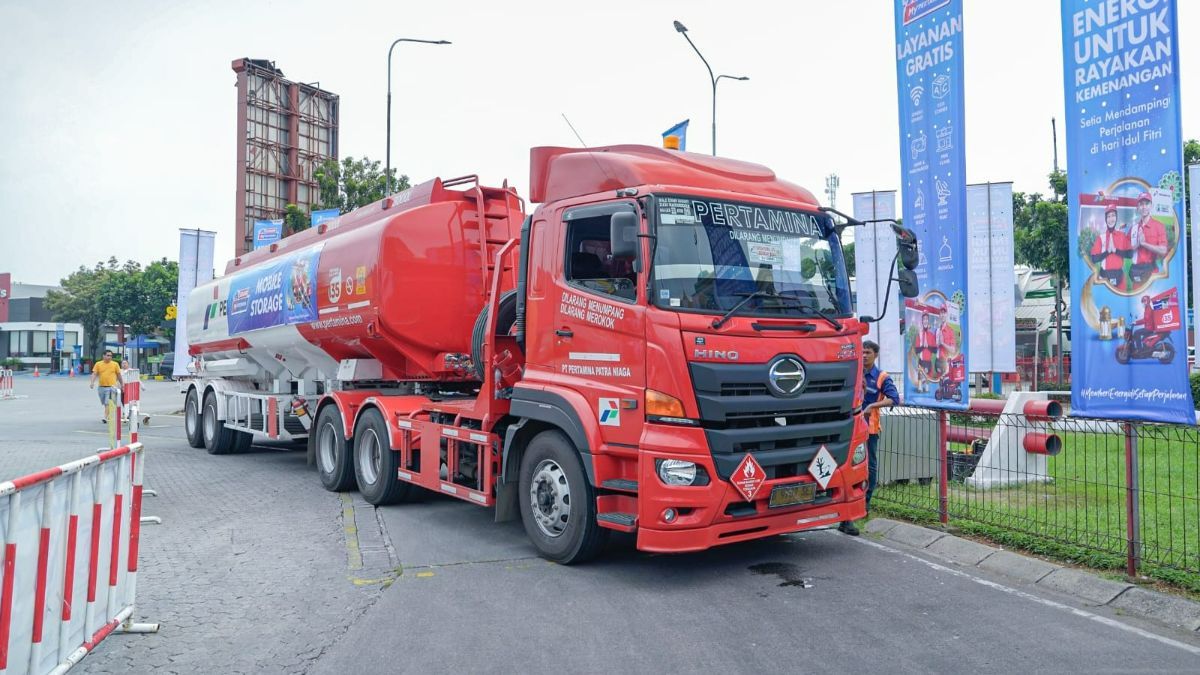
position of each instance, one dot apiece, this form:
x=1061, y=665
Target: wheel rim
x=326, y=446
x=210, y=423
x=370, y=456
x=189, y=419
x=550, y=498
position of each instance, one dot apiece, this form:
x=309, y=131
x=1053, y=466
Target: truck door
x=599, y=324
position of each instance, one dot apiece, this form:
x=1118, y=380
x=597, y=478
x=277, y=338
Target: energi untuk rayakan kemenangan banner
x=1125, y=194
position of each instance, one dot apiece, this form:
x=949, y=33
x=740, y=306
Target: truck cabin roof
x=564, y=173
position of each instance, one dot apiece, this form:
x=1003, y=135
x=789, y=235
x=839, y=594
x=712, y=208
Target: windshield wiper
x=717, y=323
x=825, y=315
x=750, y=296
x=807, y=306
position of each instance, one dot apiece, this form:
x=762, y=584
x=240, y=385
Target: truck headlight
x=677, y=472
x=860, y=453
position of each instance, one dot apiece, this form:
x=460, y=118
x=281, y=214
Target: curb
x=1089, y=588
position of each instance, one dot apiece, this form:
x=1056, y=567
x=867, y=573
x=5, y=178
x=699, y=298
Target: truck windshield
x=712, y=254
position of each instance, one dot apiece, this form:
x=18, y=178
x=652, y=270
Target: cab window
x=589, y=263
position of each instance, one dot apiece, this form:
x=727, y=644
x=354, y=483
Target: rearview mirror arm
x=888, y=294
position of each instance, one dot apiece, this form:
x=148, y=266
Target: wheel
x=218, y=439
x=335, y=463
x=191, y=419
x=1123, y=354
x=506, y=316
x=1168, y=353
x=558, y=507
x=375, y=463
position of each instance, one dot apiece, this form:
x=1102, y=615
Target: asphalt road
x=262, y=574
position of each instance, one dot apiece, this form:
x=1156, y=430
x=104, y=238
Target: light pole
x=683, y=31
x=388, y=164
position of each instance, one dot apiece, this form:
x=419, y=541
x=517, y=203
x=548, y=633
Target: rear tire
x=192, y=426
x=335, y=461
x=375, y=463
x=558, y=506
x=218, y=440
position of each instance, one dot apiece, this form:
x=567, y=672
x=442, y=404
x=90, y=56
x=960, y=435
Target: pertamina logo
x=748, y=477
x=610, y=412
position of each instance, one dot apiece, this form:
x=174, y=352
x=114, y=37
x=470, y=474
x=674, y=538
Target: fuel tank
x=400, y=281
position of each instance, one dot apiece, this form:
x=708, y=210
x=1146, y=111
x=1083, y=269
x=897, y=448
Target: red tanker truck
x=665, y=347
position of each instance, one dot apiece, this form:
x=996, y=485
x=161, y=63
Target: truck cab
x=688, y=324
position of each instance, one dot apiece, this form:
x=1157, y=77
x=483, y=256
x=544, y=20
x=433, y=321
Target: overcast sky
x=119, y=118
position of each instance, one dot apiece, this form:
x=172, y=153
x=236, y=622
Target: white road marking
x=1042, y=601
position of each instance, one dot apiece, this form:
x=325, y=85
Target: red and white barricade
x=70, y=560
x=7, y=382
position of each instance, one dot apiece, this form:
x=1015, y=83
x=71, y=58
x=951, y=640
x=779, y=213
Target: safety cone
x=35, y=372
x=71, y=372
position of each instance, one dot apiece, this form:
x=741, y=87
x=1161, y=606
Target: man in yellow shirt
x=109, y=374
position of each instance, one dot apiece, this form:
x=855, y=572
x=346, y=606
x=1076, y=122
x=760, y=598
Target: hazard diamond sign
x=748, y=477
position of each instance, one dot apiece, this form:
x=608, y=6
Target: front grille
x=740, y=415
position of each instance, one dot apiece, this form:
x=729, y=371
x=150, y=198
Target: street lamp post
x=388, y=164
x=683, y=31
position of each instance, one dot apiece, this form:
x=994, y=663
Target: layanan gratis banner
x=1125, y=192
x=929, y=77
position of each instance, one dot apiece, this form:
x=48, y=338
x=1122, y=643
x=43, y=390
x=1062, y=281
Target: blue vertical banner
x=1125, y=195
x=929, y=78
x=323, y=216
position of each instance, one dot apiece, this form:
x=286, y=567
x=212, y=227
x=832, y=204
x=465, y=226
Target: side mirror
x=906, y=246
x=909, y=287
x=622, y=237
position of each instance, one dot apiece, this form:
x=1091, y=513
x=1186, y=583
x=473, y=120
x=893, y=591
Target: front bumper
x=716, y=513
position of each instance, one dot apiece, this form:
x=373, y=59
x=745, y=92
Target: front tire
x=558, y=506
x=192, y=425
x=1168, y=353
x=1123, y=354
x=375, y=463
x=218, y=440
x=335, y=461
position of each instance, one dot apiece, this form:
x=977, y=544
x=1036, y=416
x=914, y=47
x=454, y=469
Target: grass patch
x=1080, y=516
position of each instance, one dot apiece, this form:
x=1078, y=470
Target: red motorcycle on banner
x=1160, y=316
x=950, y=385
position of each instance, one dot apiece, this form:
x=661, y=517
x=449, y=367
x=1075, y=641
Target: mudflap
x=506, y=502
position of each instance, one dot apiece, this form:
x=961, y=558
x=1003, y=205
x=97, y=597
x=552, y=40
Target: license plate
x=790, y=495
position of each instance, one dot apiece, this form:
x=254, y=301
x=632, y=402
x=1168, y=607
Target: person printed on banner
x=108, y=372
x=1148, y=239
x=879, y=392
x=1111, y=249
x=927, y=351
x=1148, y=324
x=947, y=344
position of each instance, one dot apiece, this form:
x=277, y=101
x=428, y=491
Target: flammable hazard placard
x=748, y=477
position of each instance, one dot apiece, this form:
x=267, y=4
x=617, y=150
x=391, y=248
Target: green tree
x=295, y=220
x=115, y=294
x=354, y=183
x=1191, y=155
x=78, y=301
x=1041, y=240
x=848, y=254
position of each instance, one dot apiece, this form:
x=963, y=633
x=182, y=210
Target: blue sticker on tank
x=277, y=293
